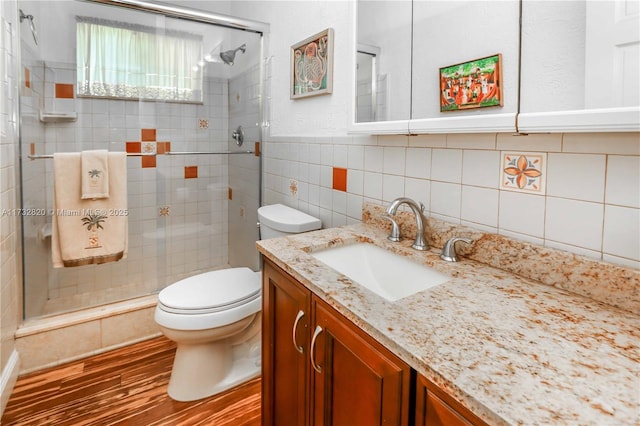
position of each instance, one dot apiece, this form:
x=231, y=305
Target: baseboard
x=8, y=380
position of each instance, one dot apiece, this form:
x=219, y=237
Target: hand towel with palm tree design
x=95, y=174
x=88, y=231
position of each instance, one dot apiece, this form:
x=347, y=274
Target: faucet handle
x=395, y=229
x=449, y=250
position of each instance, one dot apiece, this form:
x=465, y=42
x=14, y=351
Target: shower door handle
x=295, y=327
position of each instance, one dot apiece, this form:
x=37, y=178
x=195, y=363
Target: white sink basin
x=387, y=274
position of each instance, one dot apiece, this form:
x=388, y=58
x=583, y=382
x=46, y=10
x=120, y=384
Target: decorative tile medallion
x=149, y=148
x=524, y=172
x=203, y=124
x=293, y=188
x=164, y=211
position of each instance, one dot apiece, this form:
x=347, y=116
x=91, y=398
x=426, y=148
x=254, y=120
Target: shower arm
x=32, y=25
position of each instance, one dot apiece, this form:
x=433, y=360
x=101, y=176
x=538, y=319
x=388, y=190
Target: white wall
x=291, y=22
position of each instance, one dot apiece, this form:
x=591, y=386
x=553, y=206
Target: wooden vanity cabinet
x=356, y=381
x=329, y=373
x=286, y=315
x=434, y=407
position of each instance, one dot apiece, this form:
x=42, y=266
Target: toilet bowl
x=215, y=318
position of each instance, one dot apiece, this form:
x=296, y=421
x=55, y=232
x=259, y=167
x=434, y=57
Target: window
x=120, y=60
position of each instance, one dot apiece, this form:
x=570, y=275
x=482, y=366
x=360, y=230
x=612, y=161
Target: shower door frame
x=170, y=11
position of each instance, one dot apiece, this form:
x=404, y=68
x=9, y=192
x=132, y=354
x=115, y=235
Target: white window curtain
x=120, y=60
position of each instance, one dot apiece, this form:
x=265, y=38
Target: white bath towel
x=95, y=174
x=88, y=231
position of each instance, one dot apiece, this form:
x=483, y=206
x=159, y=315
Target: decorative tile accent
x=148, y=135
x=203, y=124
x=64, y=91
x=164, y=211
x=148, y=161
x=27, y=77
x=134, y=147
x=149, y=148
x=524, y=172
x=190, y=172
x=32, y=148
x=293, y=188
x=163, y=147
x=340, y=179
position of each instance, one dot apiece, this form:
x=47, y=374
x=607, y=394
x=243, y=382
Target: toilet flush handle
x=295, y=327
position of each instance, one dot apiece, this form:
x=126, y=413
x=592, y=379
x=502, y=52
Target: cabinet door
x=435, y=408
x=580, y=65
x=285, y=341
x=448, y=79
x=355, y=380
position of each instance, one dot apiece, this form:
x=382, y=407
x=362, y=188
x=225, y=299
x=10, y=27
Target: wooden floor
x=126, y=386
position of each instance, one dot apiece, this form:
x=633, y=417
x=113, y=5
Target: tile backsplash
x=580, y=197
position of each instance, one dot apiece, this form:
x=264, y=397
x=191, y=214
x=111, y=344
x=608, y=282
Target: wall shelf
x=58, y=116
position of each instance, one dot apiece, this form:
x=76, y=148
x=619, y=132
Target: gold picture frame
x=312, y=66
x=472, y=84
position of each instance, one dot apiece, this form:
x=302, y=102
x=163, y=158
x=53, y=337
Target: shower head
x=32, y=25
x=229, y=56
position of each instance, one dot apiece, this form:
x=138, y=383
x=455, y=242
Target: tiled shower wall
x=10, y=244
x=582, y=195
x=244, y=169
x=177, y=204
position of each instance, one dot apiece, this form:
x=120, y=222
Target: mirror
x=580, y=55
x=383, y=35
x=367, y=82
x=448, y=33
x=565, y=65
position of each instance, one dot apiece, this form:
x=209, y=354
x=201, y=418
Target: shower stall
x=185, y=91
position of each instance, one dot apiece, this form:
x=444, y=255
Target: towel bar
x=129, y=154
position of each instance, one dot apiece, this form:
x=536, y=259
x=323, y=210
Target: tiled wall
x=244, y=170
x=9, y=225
x=577, y=192
x=177, y=204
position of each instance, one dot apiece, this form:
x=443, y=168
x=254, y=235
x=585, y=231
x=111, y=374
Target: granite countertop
x=511, y=349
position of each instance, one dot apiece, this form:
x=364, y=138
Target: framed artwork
x=312, y=65
x=472, y=84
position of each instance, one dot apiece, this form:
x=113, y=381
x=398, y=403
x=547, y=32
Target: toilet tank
x=278, y=220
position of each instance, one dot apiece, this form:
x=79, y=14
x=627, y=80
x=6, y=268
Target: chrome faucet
x=449, y=250
x=395, y=229
x=420, y=242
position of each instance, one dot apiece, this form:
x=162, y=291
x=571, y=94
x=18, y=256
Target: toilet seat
x=210, y=299
x=212, y=291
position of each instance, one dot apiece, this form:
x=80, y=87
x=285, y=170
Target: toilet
x=215, y=318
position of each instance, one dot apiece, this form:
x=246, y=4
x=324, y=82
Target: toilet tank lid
x=286, y=219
